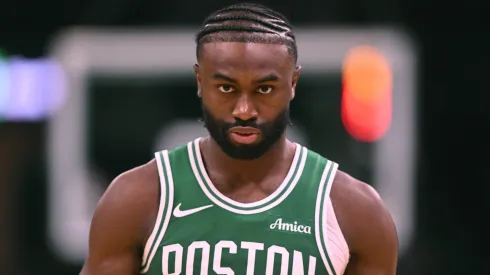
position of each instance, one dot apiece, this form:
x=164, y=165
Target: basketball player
x=244, y=200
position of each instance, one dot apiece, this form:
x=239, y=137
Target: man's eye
x=226, y=89
x=265, y=89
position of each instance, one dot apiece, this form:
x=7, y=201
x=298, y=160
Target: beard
x=270, y=133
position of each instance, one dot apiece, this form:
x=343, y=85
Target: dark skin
x=231, y=86
x=244, y=88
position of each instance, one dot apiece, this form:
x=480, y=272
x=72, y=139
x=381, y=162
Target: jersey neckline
x=282, y=192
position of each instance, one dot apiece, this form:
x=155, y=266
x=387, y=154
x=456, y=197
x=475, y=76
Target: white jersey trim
x=323, y=196
x=165, y=208
x=219, y=199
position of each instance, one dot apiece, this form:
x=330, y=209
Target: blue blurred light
x=30, y=89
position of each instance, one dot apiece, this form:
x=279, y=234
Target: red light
x=366, y=94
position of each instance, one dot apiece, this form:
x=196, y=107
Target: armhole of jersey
x=164, y=210
x=323, y=197
x=336, y=242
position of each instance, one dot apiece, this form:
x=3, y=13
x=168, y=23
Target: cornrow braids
x=248, y=23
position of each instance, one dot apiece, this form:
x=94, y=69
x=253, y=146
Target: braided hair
x=248, y=23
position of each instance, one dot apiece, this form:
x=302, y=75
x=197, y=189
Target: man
x=244, y=200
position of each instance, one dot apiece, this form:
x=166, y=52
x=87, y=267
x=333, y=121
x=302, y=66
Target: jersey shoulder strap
x=164, y=209
x=328, y=171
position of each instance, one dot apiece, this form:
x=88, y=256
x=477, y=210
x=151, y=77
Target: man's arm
x=120, y=224
x=367, y=227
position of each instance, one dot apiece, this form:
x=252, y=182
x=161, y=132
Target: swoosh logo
x=182, y=213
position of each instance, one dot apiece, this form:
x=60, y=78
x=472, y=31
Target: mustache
x=244, y=123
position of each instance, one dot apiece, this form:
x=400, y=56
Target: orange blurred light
x=366, y=94
x=366, y=122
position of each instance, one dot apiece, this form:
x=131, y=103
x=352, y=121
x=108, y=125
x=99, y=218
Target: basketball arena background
x=89, y=89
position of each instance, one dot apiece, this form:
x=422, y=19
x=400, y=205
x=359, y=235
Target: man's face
x=245, y=90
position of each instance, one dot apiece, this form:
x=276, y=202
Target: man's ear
x=198, y=79
x=296, y=74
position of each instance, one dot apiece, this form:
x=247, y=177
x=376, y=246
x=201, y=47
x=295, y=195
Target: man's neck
x=248, y=170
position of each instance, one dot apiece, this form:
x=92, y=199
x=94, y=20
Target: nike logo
x=182, y=213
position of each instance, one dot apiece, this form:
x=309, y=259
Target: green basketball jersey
x=200, y=231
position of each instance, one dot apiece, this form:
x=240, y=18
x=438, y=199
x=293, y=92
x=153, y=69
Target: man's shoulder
x=138, y=180
x=124, y=215
x=349, y=189
x=359, y=209
x=133, y=194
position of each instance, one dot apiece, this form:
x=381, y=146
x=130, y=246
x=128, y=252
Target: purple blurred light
x=36, y=89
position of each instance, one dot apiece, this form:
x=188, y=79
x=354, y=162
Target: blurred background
x=89, y=89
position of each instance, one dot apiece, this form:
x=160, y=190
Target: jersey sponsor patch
x=281, y=225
